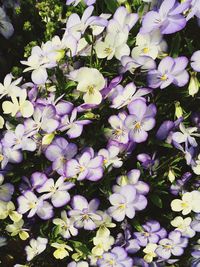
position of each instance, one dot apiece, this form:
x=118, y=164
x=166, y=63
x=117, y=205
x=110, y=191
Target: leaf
x=157, y=201
x=175, y=48
x=111, y=5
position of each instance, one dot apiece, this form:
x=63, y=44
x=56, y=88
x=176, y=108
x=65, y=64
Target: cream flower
x=190, y=202
x=90, y=82
x=150, y=252
x=16, y=229
x=8, y=209
x=183, y=225
x=61, y=250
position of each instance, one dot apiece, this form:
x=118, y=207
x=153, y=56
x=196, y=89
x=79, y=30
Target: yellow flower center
x=137, y=126
x=32, y=205
x=90, y=89
x=1, y=157
x=108, y=50
x=164, y=77
x=145, y=50
x=184, y=205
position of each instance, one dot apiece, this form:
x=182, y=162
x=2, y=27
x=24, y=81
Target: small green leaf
x=111, y=5
x=156, y=201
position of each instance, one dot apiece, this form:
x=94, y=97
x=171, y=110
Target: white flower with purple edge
x=84, y=213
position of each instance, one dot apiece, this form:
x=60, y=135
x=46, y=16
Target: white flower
x=186, y=135
x=183, y=225
x=9, y=87
x=25, y=107
x=196, y=167
x=110, y=156
x=102, y=243
x=66, y=225
x=61, y=250
x=149, y=45
x=6, y=28
x=113, y=45
x=16, y=229
x=150, y=252
x=36, y=247
x=190, y=202
x=193, y=87
x=90, y=82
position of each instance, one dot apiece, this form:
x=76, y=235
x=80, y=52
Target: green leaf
x=111, y=5
x=175, y=48
x=157, y=201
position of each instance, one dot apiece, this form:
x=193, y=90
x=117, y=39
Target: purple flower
x=173, y=245
x=29, y=202
x=119, y=131
x=125, y=202
x=132, y=178
x=152, y=232
x=115, y=258
x=56, y=191
x=59, y=152
x=131, y=64
x=140, y=121
x=8, y=154
x=148, y=162
x=86, y=166
x=84, y=213
x=43, y=119
x=18, y=139
x=168, y=18
x=196, y=61
x=110, y=157
x=73, y=127
x=195, y=224
x=169, y=71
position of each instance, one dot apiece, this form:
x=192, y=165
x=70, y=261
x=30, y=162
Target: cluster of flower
x=74, y=192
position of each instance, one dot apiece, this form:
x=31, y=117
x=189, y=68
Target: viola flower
x=132, y=178
x=59, y=152
x=114, y=45
x=66, y=225
x=168, y=18
x=18, y=140
x=22, y=106
x=6, y=190
x=195, y=59
x=125, y=202
x=195, y=224
x=110, y=156
x=170, y=70
x=186, y=135
x=149, y=44
x=17, y=229
x=43, y=119
x=76, y=26
x=145, y=63
x=184, y=226
x=173, y=245
x=56, y=191
x=9, y=87
x=6, y=27
x=72, y=126
x=84, y=213
x=150, y=252
x=123, y=96
x=141, y=120
x=119, y=131
x=102, y=242
x=189, y=202
x=151, y=232
x=148, y=162
x=116, y=257
x=8, y=209
x=36, y=247
x=30, y=203
x=87, y=166
x=122, y=20
x=61, y=250
x=90, y=83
